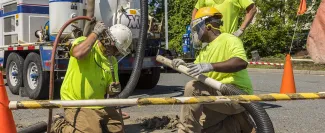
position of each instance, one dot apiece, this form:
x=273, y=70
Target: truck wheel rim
x=13, y=72
x=32, y=75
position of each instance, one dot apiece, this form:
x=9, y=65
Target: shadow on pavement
x=137, y=128
x=269, y=106
x=263, y=91
x=161, y=90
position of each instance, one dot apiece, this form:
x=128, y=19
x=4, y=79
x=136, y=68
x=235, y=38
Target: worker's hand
x=177, y=62
x=114, y=88
x=197, y=69
x=238, y=33
x=99, y=28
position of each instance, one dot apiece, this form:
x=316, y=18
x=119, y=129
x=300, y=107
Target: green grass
x=296, y=65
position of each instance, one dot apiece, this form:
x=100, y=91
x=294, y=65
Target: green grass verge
x=295, y=64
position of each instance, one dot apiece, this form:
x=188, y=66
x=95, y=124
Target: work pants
x=212, y=118
x=85, y=120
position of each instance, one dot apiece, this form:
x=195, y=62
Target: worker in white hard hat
x=223, y=59
x=89, y=76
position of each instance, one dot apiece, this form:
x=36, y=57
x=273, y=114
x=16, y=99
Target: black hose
x=133, y=80
x=36, y=128
x=258, y=113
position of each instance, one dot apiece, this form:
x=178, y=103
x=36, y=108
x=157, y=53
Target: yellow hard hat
x=207, y=11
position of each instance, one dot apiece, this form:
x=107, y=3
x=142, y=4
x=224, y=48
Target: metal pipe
x=183, y=69
x=166, y=23
x=55, y=44
x=45, y=104
x=307, y=60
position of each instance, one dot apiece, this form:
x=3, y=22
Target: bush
x=271, y=34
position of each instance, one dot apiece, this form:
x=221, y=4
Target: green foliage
x=272, y=32
x=179, y=16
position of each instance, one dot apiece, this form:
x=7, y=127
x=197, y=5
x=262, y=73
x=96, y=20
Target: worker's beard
x=111, y=51
x=196, y=41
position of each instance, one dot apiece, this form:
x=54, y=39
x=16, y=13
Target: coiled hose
x=133, y=80
x=258, y=113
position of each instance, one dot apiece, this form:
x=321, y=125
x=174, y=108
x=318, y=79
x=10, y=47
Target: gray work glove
x=177, y=62
x=238, y=33
x=99, y=28
x=114, y=88
x=197, y=69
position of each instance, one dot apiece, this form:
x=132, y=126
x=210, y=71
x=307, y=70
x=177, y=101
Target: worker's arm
x=250, y=13
x=83, y=49
x=199, y=4
x=236, y=61
x=193, y=13
x=232, y=65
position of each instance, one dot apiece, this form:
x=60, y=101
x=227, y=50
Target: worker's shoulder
x=229, y=38
x=81, y=38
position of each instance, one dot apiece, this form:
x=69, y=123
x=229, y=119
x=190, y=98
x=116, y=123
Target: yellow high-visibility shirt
x=223, y=48
x=230, y=9
x=89, y=77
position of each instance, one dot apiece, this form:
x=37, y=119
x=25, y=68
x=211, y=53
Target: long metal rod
x=183, y=69
x=166, y=23
x=45, y=104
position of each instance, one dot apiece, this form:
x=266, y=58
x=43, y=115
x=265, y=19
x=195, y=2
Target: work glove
x=177, y=62
x=114, y=88
x=197, y=69
x=99, y=28
x=238, y=33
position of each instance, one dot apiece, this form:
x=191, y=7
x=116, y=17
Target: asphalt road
x=287, y=116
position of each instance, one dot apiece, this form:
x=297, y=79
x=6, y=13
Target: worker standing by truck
x=223, y=59
x=90, y=75
x=230, y=9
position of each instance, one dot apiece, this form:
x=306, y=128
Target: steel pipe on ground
x=45, y=104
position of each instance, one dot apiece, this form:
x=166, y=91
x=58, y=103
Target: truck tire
x=14, y=72
x=149, y=81
x=36, y=81
x=146, y=81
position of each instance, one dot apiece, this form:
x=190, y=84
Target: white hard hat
x=123, y=38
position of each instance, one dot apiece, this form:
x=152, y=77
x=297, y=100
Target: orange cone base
x=288, y=81
x=7, y=124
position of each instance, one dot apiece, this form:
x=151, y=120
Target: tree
x=179, y=16
x=272, y=32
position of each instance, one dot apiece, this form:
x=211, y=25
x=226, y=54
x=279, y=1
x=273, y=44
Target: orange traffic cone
x=7, y=124
x=288, y=81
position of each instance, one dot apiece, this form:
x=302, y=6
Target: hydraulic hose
x=133, y=80
x=55, y=44
x=261, y=118
x=37, y=128
x=258, y=113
